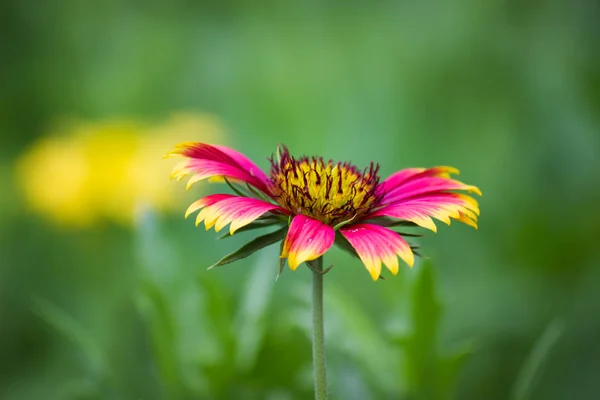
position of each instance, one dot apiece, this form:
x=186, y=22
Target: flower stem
x=319, y=363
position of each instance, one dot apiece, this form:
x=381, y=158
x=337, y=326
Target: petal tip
x=292, y=263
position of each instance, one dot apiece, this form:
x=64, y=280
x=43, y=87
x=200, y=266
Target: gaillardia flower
x=317, y=203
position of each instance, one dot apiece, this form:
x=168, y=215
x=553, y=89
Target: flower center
x=327, y=191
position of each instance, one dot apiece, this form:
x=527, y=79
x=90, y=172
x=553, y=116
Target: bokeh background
x=104, y=292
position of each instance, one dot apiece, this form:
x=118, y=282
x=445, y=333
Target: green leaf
x=345, y=245
x=314, y=265
x=258, y=224
x=252, y=246
x=389, y=223
x=258, y=194
x=235, y=190
x=282, y=262
x=425, y=315
x=448, y=370
x=163, y=334
x=536, y=360
x=253, y=313
x=360, y=338
x=75, y=332
x=428, y=373
x=341, y=224
x=409, y=234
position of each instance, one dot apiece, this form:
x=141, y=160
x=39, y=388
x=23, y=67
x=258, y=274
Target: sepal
x=252, y=246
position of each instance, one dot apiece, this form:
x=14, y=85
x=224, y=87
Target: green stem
x=319, y=363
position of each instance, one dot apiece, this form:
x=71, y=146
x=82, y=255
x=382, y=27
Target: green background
x=507, y=91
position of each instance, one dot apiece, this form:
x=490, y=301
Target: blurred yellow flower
x=85, y=173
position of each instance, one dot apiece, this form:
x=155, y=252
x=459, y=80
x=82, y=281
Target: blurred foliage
x=507, y=91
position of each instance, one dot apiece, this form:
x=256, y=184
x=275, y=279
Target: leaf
x=389, y=223
x=252, y=246
x=359, y=338
x=344, y=244
x=282, y=262
x=317, y=266
x=235, y=190
x=258, y=194
x=534, y=363
x=163, y=334
x=425, y=314
x=75, y=332
x=341, y=224
x=409, y=234
x=253, y=313
x=429, y=374
x=258, y=224
x=448, y=370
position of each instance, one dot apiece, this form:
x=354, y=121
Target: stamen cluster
x=327, y=191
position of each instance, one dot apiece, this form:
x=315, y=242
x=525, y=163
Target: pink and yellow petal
x=418, y=195
x=208, y=161
x=202, y=169
x=426, y=185
x=414, y=182
x=307, y=240
x=246, y=164
x=401, y=177
x=205, y=201
x=375, y=244
x=442, y=206
x=398, y=178
x=222, y=209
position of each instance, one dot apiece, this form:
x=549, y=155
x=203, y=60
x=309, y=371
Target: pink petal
x=416, y=195
x=246, y=164
x=440, y=205
x=424, y=185
x=307, y=239
x=397, y=179
x=202, y=169
x=220, y=210
x=205, y=161
x=375, y=244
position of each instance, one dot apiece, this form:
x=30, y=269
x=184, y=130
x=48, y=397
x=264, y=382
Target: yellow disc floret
x=327, y=191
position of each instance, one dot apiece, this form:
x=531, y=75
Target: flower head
x=318, y=203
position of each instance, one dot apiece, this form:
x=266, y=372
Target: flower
x=84, y=173
x=318, y=203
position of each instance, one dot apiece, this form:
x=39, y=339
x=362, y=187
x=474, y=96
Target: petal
x=416, y=195
x=206, y=161
x=205, y=201
x=398, y=178
x=307, y=239
x=402, y=176
x=246, y=164
x=440, y=205
x=220, y=210
x=375, y=244
x=426, y=185
x=202, y=169
x=413, y=182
